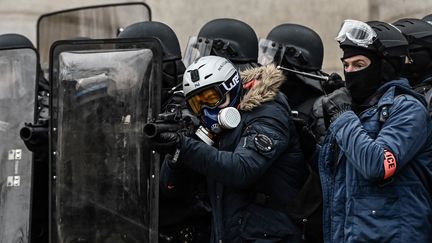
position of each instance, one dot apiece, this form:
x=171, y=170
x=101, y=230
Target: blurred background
x=186, y=17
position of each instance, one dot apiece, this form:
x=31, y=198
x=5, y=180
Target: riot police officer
x=299, y=52
x=418, y=68
x=375, y=161
x=172, y=65
x=186, y=218
x=225, y=37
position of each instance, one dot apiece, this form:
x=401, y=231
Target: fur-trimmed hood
x=261, y=84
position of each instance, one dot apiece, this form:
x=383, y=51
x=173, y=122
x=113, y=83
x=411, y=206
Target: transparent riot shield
x=18, y=68
x=104, y=176
x=94, y=22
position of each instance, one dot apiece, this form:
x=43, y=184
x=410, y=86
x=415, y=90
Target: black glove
x=335, y=82
x=165, y=142
x=335, y=104
x=176, y=98
x=306, y=138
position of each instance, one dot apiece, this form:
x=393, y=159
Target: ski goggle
x=208, y=98
x=357, y=32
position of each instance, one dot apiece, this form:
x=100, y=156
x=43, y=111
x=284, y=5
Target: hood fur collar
x=261, y=84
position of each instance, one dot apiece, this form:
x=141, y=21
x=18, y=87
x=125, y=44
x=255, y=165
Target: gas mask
x=217, y=120
x=216, y=112
x=212, y=88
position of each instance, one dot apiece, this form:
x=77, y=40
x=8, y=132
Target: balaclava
x=363, y=83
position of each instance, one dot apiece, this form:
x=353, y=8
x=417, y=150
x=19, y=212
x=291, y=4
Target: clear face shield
x=357, y=32
x=269, y=52
x=273, y=52
x=197, y=47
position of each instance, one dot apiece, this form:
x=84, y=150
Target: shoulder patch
x=263, y=142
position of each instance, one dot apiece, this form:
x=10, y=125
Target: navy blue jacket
x=240, y=167
x=376, y=171
x=425, y=88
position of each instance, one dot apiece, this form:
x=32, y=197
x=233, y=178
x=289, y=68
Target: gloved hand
x=335, y=82
x=335, y=104
x=165, y=142
x=306, y=137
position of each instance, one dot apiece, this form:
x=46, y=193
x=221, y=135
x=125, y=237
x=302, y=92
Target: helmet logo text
x=230, y=84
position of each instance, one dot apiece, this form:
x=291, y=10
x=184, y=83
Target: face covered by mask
x=216, y=120
x=420, y=65
x=221, y=118
x=216, y=111
x=365, y=82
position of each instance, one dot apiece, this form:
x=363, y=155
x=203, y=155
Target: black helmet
x=376, y=36
x=381, y=42
x=304, y=47
x=390, y=41
x=415, y=30
x=232, y=39
x=161, y=31
x=428, y=18
x=9, y=41
x=419, y=36
x=172, y=65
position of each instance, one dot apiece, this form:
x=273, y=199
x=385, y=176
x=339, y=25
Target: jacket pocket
x=267, y=225
x=373, y=219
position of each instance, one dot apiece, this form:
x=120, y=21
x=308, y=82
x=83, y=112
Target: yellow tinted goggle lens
x=206, y=98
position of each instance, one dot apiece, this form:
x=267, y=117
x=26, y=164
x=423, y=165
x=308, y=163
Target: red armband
x=389, y=164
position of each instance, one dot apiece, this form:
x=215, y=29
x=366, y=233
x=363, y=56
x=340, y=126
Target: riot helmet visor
x=197, y=47
x=269, y=52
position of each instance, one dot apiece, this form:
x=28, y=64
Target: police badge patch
x=263, y=143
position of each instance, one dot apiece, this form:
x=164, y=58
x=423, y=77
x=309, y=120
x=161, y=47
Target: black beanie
x=351, y=51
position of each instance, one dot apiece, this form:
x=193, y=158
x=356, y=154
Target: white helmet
x=207, y=71
x=215, y=74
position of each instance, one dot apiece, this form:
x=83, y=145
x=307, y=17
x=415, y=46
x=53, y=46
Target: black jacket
x=259, y=157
